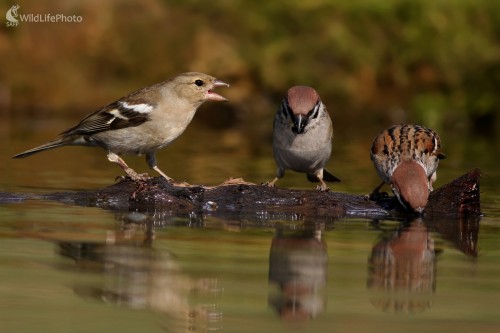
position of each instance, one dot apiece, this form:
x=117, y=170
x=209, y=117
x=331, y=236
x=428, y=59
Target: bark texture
x=460, y=197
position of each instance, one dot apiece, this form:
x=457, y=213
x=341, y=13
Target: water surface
x=78, y=269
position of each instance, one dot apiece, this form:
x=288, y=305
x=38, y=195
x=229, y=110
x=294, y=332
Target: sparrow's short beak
x=299, y=123
x=214, y=96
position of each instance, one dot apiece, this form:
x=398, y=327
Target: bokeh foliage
x=428, y=61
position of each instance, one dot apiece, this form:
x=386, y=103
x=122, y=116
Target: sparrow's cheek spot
x=199, y=82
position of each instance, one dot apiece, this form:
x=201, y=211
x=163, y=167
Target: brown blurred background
x=374, y=63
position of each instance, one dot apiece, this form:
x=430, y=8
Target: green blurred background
x=374, y=62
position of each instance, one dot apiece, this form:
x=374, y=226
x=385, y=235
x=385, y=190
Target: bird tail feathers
x=49, y=145
x=327, y=176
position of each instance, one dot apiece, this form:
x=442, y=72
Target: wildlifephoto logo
x=11, y=16
x=14, y=17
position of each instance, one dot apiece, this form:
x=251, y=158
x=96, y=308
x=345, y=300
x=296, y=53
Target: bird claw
x=141, y=177
x=322, y=188
x=271, y=183
x=120, y=178
x=134, y=176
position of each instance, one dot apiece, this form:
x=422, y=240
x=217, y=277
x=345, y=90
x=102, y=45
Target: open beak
x=212, y=96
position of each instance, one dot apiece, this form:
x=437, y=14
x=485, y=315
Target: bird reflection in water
x=138, y=276
x=402, y=270
x=297, y=274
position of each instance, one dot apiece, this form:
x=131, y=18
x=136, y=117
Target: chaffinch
x=142, y=122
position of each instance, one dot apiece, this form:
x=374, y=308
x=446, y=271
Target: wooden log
x=459, y=197
x=239, y=198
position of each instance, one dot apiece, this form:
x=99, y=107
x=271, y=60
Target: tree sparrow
x=406, y=157
x=142, y=122
x=302, y=136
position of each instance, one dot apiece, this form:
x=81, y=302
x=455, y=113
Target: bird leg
x=136, y=177
x=432, y=179
x=151, y=160
x=271, y=183
x=279, y=174
x=322, y=185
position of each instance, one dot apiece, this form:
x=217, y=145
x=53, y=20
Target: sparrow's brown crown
x=302, y=99
x=410, y=185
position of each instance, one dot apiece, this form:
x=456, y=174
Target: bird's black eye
x=199, y=82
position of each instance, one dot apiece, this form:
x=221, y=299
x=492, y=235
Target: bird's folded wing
x=115, y=116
